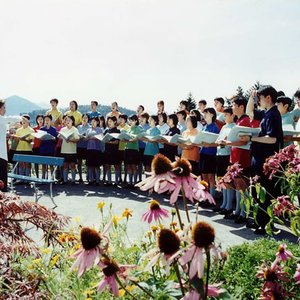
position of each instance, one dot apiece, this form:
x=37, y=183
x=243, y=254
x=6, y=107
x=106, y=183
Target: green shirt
x=134, y=145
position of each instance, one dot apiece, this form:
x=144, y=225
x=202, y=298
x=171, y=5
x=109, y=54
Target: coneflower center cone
x=270, y=275
x=154, y=205
x=168, y=242
x=203, y=234
x=161, y=164
x=90, y=238
x=111, y=267
x=182, y=167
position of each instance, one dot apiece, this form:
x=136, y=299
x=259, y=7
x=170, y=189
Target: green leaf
x=255, y=211
x=270, y=211
x=262, y=194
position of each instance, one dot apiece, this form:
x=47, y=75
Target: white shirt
x=4, y=121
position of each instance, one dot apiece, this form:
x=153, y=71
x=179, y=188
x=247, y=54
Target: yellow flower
x=100, y=205
x=121, y=292
x=115, y=220
x=37, y=262
x=46, y=250
x=54, y=260
x=127, y=213
x=148, y=234
x=130, y=288
x=154, y=228
x=173, y=224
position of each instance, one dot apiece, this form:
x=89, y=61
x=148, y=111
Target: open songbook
x=174, y=139
x=43, y=135
x=66, y=136
x=123, y=136
x=237, y=131
x=204, y=137
x=25, y=136
x=288, y=130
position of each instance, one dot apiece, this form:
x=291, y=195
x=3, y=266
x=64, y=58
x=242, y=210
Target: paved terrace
x=80, y=201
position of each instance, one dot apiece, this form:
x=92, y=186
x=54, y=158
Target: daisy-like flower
x=297, y=274
x=203, y=236
x=155, y=212
x=127, y=213
x=202, y=194
x=283, y=205
x=110, y=270
x=185, y=179
x=160, y=179
x=167, y=249
x=273, y=273
x=93, y=245
x=283, y=254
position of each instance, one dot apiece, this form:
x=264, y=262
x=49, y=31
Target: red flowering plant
x=285, y=165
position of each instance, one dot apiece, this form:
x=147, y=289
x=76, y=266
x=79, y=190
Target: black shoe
x=260, y=231
x=80, y=180
x=251, y=224
x=225, y=211
x=240, y=220
x=230, y=216
x=217, y=209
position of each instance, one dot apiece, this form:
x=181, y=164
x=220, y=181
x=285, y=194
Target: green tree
x=191, y=102
x=256, y=86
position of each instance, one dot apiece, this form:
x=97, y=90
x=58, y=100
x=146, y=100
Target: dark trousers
x=3, y=173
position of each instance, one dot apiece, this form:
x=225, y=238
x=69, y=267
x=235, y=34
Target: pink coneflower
x=110, y=270
x=202, y=194
x=282, y=205
x=203, y=236
x=192, y=187
x=283, y=254
x=212, y=291
x=272, y=273
x=168, y=248
x=155, y=212
x=297, y=274
x=160, y=178
x=91, y=248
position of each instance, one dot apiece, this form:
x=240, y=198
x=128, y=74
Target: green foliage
x=238, y=272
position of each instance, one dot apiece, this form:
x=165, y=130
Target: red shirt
x=36, y=142
x=241, y=156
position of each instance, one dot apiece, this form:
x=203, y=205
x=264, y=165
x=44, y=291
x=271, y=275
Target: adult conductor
x=4, y=122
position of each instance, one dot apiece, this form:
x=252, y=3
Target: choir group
x=79, y=139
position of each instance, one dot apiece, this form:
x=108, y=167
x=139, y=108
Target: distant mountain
x=16, y=105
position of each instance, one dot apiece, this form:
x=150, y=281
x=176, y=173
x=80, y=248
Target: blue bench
x=35, y=159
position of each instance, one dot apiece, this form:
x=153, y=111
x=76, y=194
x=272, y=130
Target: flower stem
x=143, y=289
x=207, y=272
x=123, y=287
x=179, y=277
x=178, y=215
x=185, y=205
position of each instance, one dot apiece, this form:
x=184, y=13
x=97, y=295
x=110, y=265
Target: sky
x=141, y=51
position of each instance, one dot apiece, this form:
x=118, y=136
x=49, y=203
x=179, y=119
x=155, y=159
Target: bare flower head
x=161, y=164
x=90, y=238
x=203, y=234
x=168, y=241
